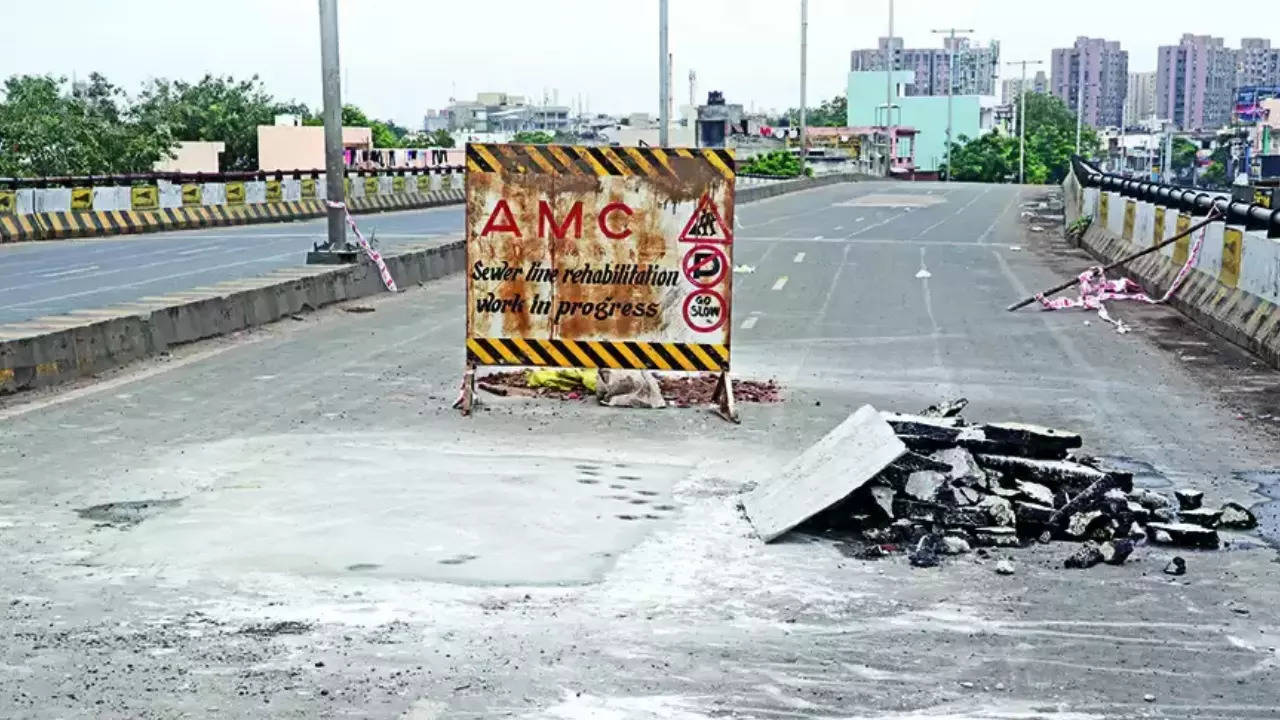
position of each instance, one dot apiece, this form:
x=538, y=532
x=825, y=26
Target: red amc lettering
x=547, y=219
x=603, y=220
x=508, y=221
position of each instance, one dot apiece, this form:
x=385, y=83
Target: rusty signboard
x=599, y=257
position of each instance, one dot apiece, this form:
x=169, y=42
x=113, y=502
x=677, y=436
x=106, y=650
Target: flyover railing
x=1252, y=215
x=216, y=177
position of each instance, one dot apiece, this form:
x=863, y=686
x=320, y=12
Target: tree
x=216, y=108
x=776, y=162
x=831, y=113
x=533, y=137
x=1050, y=143
x=442, y=139
x=46, y=131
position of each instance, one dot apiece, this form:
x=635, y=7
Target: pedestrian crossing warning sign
x=706, y=225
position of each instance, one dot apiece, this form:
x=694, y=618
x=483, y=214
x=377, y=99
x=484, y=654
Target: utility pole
x=951, y=82
x=888, y=97
x=664, y=74
x=335, y=249
x=1022, y=118
x=804, y=69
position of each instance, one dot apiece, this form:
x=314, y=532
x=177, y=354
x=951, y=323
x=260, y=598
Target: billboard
x=599, y=257
x=1249, y=99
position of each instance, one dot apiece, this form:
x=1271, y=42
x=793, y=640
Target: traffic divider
x=66, y=224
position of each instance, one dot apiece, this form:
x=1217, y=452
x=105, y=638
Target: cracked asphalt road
x=344, y=545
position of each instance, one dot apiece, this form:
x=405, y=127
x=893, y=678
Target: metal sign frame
x=602, y=232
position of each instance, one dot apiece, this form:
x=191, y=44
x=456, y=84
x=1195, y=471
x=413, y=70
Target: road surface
x=47, y=278
x=332, y=540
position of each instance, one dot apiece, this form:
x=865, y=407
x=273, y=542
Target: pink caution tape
x=374, y=255
x=1096, y=288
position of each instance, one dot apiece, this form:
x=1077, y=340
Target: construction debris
x=948, y=487
x=679, y=390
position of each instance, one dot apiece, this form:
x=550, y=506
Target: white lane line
x=780, y=283
x=750, y=322
x=799, y=257
x=817, y=237
x=983, y=237
x=858, y=220
x=193, y=251
x=72, y=271
x=839, y=227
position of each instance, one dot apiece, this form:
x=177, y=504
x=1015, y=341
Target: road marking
x=983, y=237
x=858, y=220
x=839, y=227
x=799, y=257
x=923, y=273
x=72, y=271
x=750, y=322
x=780, y=283
x=817, y=237
x=193, y=251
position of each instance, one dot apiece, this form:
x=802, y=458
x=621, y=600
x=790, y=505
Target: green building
x=971, y=114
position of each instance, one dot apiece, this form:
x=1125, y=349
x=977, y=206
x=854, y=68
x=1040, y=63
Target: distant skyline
x=403, y=57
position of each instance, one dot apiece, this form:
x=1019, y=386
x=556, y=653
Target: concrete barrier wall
x=1234, y=289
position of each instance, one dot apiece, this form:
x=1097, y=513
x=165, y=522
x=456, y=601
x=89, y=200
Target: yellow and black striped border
x=18, y=228
x=592, y=160
x=685, y=357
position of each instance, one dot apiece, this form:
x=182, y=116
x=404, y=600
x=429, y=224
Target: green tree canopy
x=215, y=108
x=533, y=137
x=1050, y=143
x=47, y=129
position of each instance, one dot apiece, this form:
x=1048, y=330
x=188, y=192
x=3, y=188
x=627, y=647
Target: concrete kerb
x=1238, y=306
x=58, y=349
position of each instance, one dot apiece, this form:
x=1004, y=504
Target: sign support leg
x=723, y=397
x=466, y=396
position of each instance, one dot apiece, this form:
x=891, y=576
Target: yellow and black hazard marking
x=235, y=193
x=685, y=357
x=8, y=201
x=593, y=160
x=18, y=228
x=308, y=188
x=82, y=198
x=192, y=194
x=144, y=197
x=275, y=191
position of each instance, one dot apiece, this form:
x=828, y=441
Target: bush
x=776, y=162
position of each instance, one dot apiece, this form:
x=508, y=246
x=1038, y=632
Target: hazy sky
x=404, y=56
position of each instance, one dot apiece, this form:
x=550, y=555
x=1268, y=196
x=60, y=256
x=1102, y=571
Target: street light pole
x=888, y=97
x=1079, y=99
x=332, y=112
x=951, y=83
x=664, y=75
x=804, y=69
x=1022, y=118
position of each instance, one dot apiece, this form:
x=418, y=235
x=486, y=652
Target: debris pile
x=678, y=390
x=956, y=486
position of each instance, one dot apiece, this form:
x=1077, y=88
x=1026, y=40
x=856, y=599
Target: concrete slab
x=827, y=472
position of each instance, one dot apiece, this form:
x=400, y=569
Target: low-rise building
x=193, y=157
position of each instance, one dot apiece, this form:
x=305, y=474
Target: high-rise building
x=1009, y=88
x=1195, y=82
x=976, y=66
x=1106, y=79
x=1257, y=63
x=1140, y=103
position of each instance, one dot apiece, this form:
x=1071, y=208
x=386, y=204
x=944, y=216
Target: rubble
x=944, y=495
x=1189, y=499
x=1235, y=516
x=1176, y=566
x=1004, y=567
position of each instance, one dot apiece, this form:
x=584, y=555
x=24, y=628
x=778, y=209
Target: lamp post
x=1022, y=117
x=951, y=82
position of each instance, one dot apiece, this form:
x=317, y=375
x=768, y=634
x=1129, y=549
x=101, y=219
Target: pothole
x=127, y=513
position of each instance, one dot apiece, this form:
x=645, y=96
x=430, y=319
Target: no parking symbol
x=705, y=265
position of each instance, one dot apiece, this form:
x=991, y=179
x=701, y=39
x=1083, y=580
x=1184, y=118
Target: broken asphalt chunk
x=1176, y=566
x=1086, y=556
x=950, y=408
x=1204, y=517
x=1116, y=552
x=1031, y=436
x=924, y=485
x=1050, y=473
x=830, y=470
x=1189, y=499
x=1183, y=535
x=1235, y=516
x=995, y=537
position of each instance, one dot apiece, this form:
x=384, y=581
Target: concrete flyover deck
x=315, y=533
